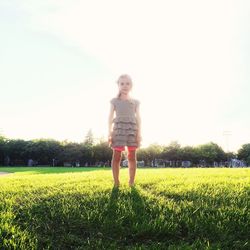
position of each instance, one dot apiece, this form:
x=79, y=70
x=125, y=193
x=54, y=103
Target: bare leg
x=115, y=164
x=132, y=166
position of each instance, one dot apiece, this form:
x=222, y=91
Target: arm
x=138, y=120
x=110, y=119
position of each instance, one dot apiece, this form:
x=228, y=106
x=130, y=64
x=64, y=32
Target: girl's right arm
x=110, y=120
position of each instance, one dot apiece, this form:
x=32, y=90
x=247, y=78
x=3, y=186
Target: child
x=126, y=129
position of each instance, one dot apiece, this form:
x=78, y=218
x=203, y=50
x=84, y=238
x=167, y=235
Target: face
x=124, y=85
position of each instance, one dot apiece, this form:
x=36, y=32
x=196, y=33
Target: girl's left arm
x=138, y=119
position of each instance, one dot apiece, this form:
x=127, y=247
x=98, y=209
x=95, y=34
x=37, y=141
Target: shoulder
x=113, y=100
x=136, y=101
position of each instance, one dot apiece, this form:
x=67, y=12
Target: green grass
x=48, y=170
x=71, y=208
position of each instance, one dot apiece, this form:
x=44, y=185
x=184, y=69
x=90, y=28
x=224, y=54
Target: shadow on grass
x=132, y=201
x=125, y=218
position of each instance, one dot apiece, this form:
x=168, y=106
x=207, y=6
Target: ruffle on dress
x=124, y=126
x=124, y=140
x=124, y=131
x=125, y=119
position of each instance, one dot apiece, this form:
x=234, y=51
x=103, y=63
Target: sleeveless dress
x=124, y=124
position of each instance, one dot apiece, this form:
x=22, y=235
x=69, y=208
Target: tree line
x=17, y=152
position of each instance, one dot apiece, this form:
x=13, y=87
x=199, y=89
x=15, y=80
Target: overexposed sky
x=189, y=61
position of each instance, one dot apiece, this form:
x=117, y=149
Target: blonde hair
x=123, y=76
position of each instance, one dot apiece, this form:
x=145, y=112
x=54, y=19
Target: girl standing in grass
x=126, y=129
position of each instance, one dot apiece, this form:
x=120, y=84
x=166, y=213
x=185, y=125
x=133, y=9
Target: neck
x=124, y=96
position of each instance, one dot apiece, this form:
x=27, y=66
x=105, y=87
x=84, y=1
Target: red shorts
x=122, y=148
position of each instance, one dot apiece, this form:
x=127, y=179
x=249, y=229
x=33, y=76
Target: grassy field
x=78, y=208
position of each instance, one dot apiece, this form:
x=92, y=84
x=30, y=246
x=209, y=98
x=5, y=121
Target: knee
x=117, y=155
x=131, y=155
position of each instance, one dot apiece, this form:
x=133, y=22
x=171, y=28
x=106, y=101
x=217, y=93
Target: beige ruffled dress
x=124, y=124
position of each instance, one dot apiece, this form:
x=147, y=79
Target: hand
x=138, y=139
x=110, y=139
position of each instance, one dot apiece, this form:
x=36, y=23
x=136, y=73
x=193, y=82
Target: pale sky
x=189, y=61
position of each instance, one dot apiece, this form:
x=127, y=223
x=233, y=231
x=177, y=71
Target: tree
x=189, y=153
x=143, y=154
x=3, y=140
x=42, y=150
x=102, y=152
x=89, y=139
x=71, y=153
x=153, y=151
x=14, y=149
x=211, y=152
x=172, y=152
x=244, y=153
